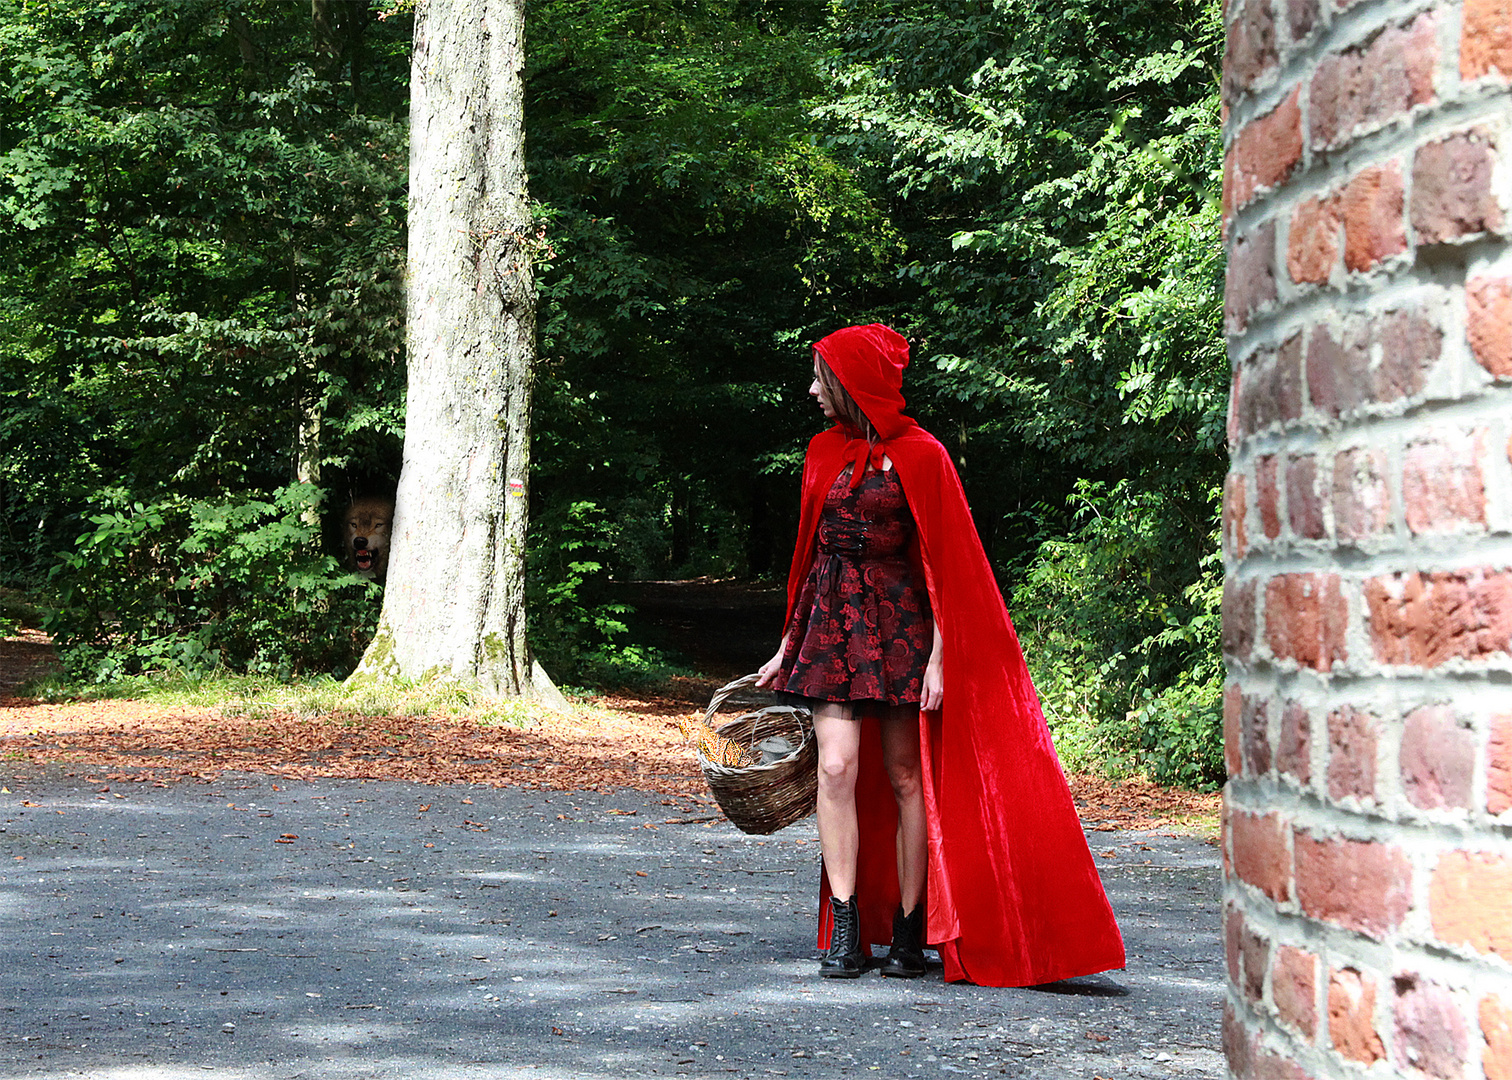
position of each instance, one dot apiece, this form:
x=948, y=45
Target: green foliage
x=203, y=206
x=701, y=235
x=577, y=628
x=195, y=585
x=1126, y=659
x=205, y=241
x=568, y=581
x=1053, y=168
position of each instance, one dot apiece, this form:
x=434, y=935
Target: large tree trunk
x=454, y=603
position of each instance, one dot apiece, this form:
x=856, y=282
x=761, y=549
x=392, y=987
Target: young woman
x=943, y=814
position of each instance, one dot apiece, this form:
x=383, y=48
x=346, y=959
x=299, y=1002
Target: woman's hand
x=768, y=671
x=933, y=692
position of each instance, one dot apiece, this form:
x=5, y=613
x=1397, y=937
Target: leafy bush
x=637, y=667
x=191, y=585
x=567, y=585
x=1130, y=682
x=576, y=625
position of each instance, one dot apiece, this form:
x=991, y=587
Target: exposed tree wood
x=455, y=600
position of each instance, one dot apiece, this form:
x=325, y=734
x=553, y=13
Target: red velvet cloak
x=1013, y=897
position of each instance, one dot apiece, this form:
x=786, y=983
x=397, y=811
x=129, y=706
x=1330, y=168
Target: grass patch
x=257, y=697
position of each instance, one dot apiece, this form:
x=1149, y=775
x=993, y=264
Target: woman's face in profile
x=818, y=391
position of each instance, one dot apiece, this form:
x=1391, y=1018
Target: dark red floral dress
x=861, y=627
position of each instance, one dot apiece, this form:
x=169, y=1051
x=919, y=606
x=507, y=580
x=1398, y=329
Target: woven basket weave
x=764, y=797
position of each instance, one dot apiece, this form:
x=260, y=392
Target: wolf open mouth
x=364, y=558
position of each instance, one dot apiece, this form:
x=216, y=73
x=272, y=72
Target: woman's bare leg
x=839, y=737
x=900, y=755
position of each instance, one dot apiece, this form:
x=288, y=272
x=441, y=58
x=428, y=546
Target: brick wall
x=1368, y=538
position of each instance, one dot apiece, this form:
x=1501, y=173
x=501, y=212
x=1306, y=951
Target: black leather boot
x=905, y=960
x=845, y=958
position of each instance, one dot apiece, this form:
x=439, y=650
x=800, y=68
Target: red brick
x=1233, y=754
x=1301, y=17
x=1362, y=885
x=1294, y=988
x=1470, y=901
x=1258, y=843
x=1235, y=538
x=1451, y=189
x=1409, y=345
x=1267, y=150
x=1250, y=51
x=1499, y=766
x=1256, y=396
x=1269, y=1065
x=1238, y=618
x=1250, y=283
x=1427, y=619
x=1437, y=758
x=1442, y=487
x=1338, y=372
x=1341, y=376
x=1269, y=496
x=1288, y=379
x=1313, y=241
x=1255, y=951
x=1369, y=87
x=1233, y=937
x=1304, y=509
x=1294, y=752
x=1496, y=1028
x=1255, y=731
x=1305, y=619
x=1486, y=38
x=1489, y=315
x=1375, y=227
x=1238, y=1045
x=1351, y=754
x=1430, y=1028
x=1361, y=501
x=1351, y=1016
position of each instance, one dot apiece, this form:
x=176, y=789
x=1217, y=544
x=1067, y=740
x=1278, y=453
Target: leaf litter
x=602, y=744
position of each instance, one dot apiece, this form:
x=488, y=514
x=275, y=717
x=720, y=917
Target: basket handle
x=742, y=683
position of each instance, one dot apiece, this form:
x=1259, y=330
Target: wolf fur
x=366, y=528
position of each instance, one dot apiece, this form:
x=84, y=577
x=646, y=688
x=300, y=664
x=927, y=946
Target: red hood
x=869, y=362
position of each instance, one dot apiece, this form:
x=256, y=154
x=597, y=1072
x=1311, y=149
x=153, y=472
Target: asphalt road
x=347, y=929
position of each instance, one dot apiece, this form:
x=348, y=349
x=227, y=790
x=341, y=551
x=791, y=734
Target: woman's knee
x=837, y=771
x=906, y=777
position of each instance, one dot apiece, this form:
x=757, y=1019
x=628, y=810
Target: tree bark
x=454, y=603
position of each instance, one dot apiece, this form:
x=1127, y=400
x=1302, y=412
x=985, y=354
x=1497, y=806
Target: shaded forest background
x=201, y=319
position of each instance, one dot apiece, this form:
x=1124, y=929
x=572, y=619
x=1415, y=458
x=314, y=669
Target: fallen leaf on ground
x=616, y=741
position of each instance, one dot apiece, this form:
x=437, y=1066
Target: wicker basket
x=780, y=787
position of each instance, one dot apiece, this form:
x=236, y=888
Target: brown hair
x=844, y=405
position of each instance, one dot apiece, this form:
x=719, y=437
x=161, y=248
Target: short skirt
x=861, y=627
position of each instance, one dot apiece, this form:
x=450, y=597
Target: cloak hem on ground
x=1013, y=896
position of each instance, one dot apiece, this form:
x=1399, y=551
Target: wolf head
x=366, y=528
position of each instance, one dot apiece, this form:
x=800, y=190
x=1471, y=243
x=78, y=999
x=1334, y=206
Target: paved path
x=347, y=929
